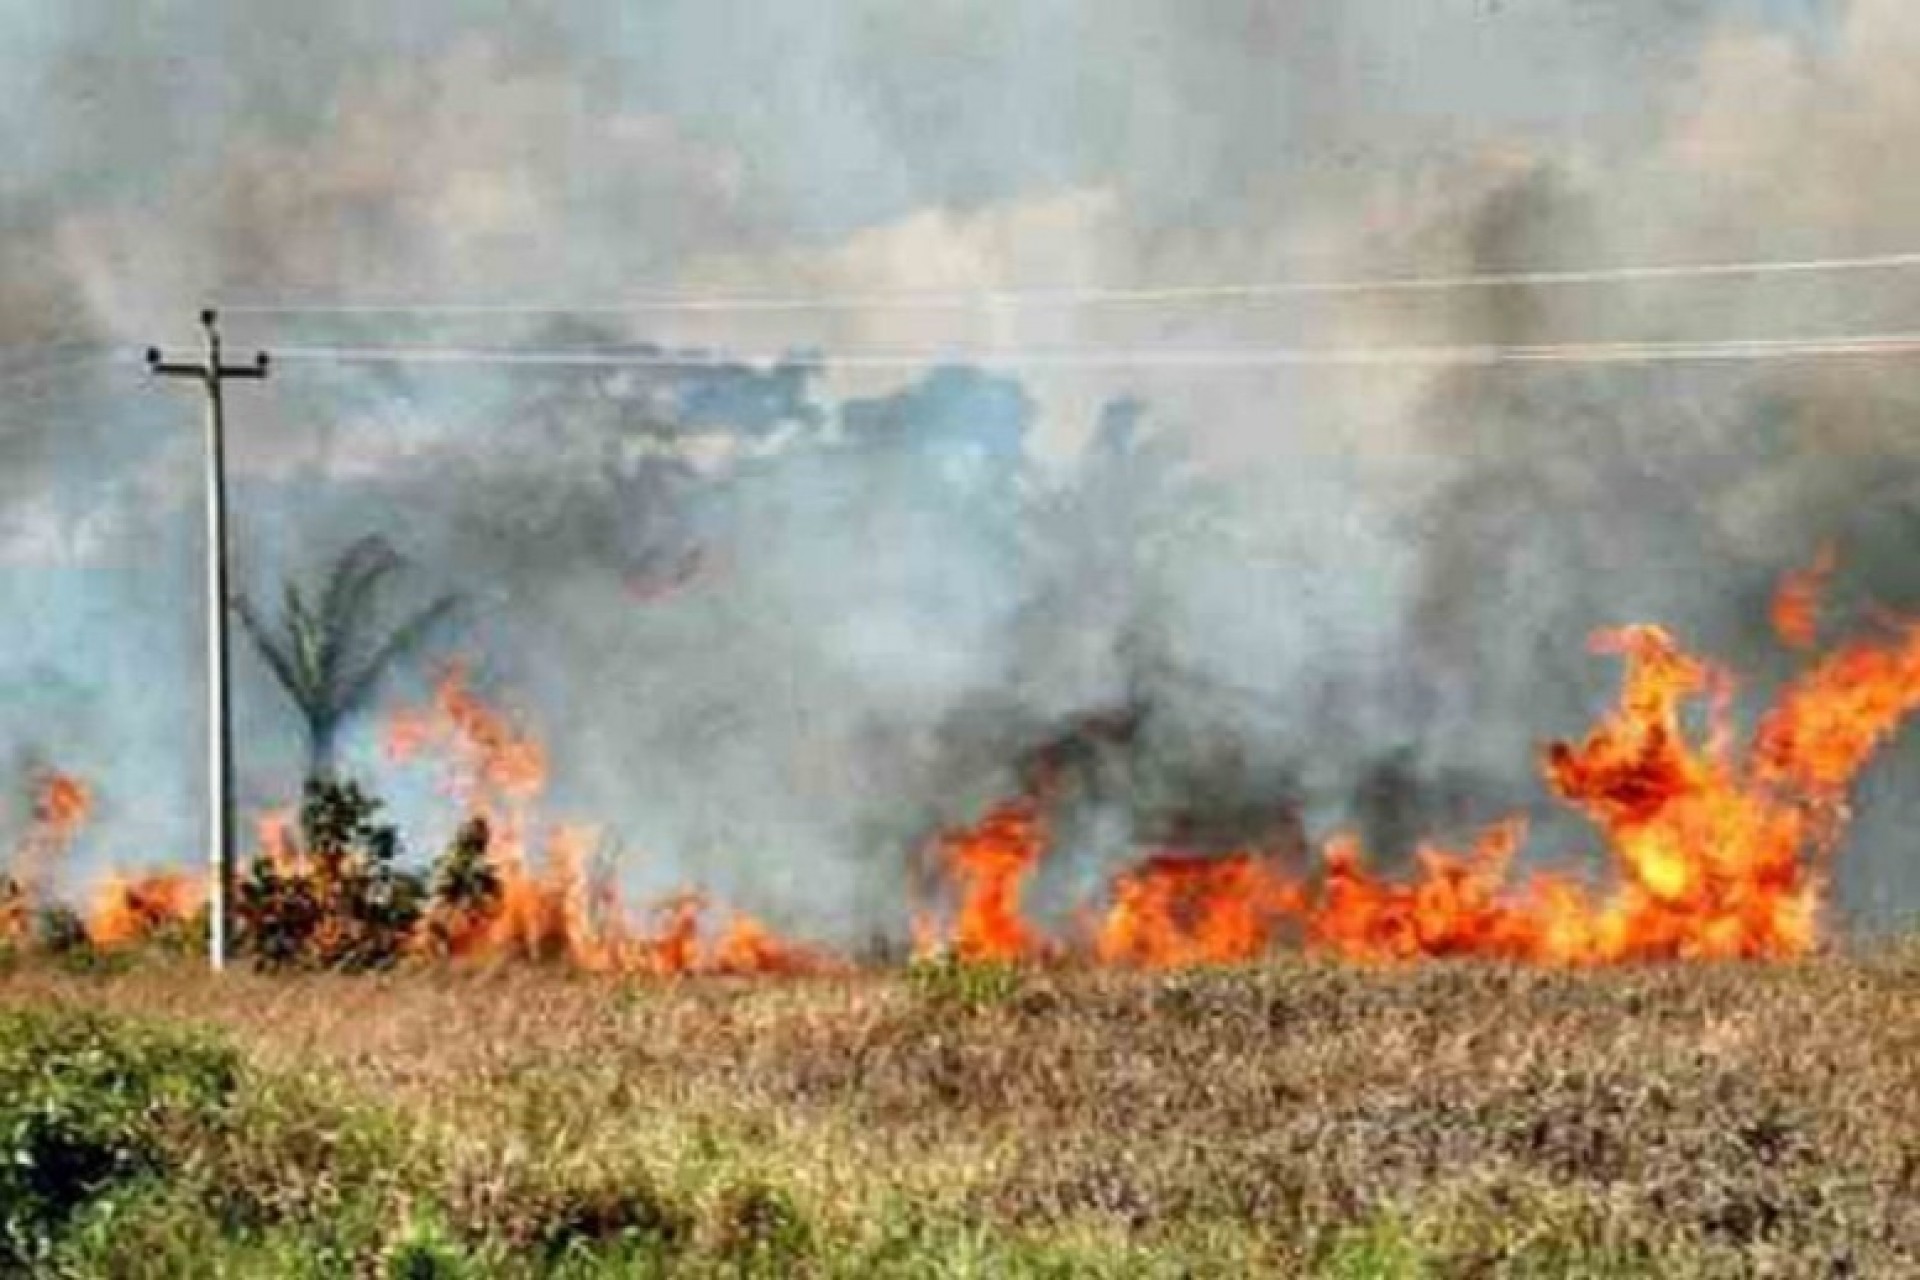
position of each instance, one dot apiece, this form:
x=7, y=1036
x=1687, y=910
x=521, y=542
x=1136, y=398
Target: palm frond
x=349, y=589
x=276, y=652
x=351, y=693
x=304, y=642
x=311, y=651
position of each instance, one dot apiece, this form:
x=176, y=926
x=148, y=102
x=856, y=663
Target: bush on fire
x=341, y=901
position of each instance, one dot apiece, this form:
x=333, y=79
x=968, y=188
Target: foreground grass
x=1293, y=1119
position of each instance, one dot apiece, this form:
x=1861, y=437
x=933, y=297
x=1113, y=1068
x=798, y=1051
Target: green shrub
x=85, y=1110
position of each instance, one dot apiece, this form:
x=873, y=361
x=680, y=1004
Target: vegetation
x=338, y=899
x=324, y=652
x=86, y=1110
x=1289, y=1119
x=466, y=886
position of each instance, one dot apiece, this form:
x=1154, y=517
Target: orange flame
x=62, y=803
x=1453, y=908
x=749, y=947
x=1175, y=910
x=1716, y=852
x=1713, y=860
x=127, y=910
x=1796, y=604
x=1715, y=846
x=989, y=865
x=274, y=833
x=557, y=911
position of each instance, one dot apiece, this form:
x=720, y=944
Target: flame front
x=1716, y=853
x=1716, y=848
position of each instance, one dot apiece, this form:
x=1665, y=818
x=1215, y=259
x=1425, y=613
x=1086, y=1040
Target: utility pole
x=212, y=374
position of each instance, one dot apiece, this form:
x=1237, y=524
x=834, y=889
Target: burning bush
x=60, y=930
x=466, y=890
x=335, y=899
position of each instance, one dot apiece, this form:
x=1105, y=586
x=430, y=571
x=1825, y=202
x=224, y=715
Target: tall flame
x=557, y=910
x=988, y=866
x=62, y=804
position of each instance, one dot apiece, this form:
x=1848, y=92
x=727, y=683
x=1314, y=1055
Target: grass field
x=1294, y=1118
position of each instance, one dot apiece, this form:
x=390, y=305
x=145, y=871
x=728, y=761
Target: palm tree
x=324, y=653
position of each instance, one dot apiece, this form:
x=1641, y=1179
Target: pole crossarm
x=212, y=369
x=212, y=373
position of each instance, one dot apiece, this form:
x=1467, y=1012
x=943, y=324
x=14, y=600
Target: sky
x=1378, y=572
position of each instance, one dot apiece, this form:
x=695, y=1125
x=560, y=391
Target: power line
x=990, y=299
x=26, y=374
x=1644, y=352
x=1219, y=357
x=72, y=341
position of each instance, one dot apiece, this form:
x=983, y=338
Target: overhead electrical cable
x=989, y=299
x=1093, y=357
x=16, y=376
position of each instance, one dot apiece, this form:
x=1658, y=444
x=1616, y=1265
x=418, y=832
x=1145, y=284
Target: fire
x=62, y=803
x=1796, y=604
x=988, y=866
x=1833, y=718
x=493, y=763
x=1454, y=907
x=749, y=947
x=1175, y=910
x=556, y=910
x=1716, y=846
x=125, y=909
x=1713, y=858
x=133, y=909
x=273, y=831
x=1716, y=851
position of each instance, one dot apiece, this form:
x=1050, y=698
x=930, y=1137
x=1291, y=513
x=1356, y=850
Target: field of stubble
x=1289, y=1119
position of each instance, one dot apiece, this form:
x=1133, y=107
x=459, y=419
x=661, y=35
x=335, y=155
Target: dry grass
x=1448, y=1120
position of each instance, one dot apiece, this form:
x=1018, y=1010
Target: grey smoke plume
x=778, y=624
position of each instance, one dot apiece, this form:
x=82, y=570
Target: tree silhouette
x=324, y=653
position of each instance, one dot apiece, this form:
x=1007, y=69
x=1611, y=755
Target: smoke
x=780, y=623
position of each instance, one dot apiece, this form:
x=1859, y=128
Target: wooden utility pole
x=212, y=374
